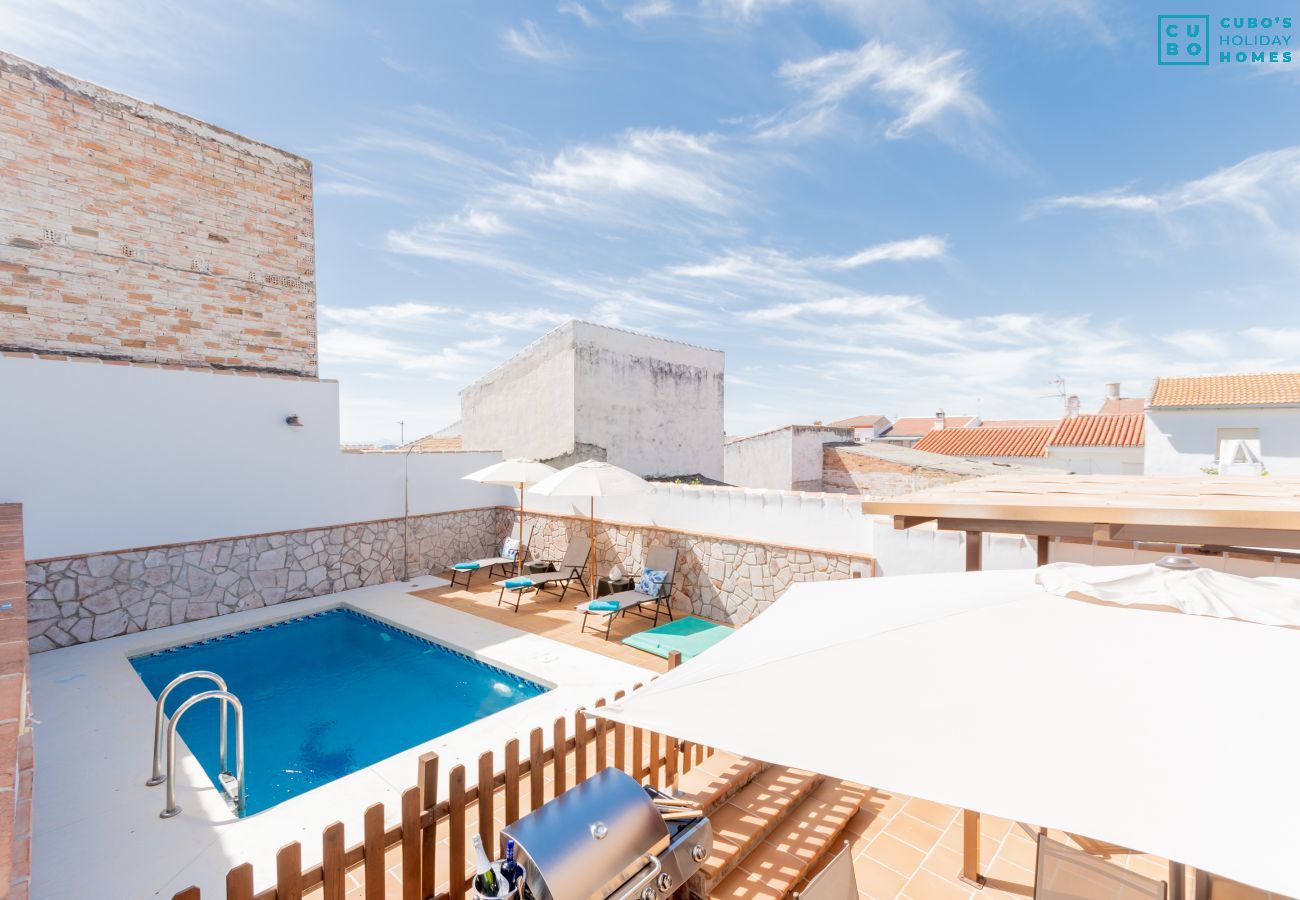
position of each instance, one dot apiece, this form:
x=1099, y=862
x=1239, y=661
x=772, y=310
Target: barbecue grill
x=607, y=839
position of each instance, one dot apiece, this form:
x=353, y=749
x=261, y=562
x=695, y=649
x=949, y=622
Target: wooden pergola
x=1255, y=515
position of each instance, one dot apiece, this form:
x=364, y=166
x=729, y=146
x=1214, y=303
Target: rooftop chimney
x=1112, y=390
x=938, y=420
x=1072, y=406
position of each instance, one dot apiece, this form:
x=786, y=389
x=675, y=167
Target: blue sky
x=871, y=206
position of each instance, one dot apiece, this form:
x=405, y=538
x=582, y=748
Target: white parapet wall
x=108, y=457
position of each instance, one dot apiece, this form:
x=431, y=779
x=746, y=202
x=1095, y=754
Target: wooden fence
x=426, y=821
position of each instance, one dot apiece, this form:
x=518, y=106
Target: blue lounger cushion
x=518, y=583
x=602, y=605
x=466, y=567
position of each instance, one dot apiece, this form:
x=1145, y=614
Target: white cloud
x=351, y=189
x=385, y=315
x=925, y=247
x=1255, y=185
x=572, y=8
x=645, y=10
x=924, y=89
x=862, y=306
x=529, y=41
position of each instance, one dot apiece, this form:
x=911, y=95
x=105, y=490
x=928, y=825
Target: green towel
x=690, y=636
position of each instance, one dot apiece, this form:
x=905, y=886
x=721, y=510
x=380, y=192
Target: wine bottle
x=510, y=869
x=485, y=882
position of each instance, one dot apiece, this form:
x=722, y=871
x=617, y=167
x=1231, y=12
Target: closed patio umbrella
x=1166, y=732
x=514, y=473
x=591, y=478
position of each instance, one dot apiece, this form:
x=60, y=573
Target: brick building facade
x=133, y=232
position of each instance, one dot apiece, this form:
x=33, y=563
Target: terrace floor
x=546, y=615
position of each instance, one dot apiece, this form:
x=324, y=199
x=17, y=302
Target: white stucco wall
x=783, y=459
x=1096, y=460
x=760, y=461
x=647, y=404
x=525, y=407
x=107, y=457
x=1182, y=442
x=654, y=405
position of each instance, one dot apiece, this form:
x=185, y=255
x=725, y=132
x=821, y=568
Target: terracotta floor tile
x=902, y=858
x=877, y=881
x=779, y=871
x=913, y=831
x=936, y=814
x=926, y=885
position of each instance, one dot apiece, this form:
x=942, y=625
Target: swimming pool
x=325, y=695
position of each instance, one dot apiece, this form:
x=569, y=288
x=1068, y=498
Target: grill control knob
x=599, y=830
x=665, y=882
x=649, y=894
x=698, y=853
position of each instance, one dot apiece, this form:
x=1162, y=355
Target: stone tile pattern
x=17, y=757
x=720, y=578
x=87, y=598
x=134, y=232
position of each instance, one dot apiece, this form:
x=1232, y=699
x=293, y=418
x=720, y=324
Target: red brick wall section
x=16, y=757
x=129, y=231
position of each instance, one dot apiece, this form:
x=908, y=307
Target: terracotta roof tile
x=919, y=425
x=856, y=422
x=1018, y=423
x=1122, y=406
x=1100, y=431
x=434, y=443
x=1251, y=389
x=1021, y=441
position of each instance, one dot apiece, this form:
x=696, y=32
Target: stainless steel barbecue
x=609, y=837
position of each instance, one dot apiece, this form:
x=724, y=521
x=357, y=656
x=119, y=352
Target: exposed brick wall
x=844, y=471
x=129, y=231
x=16, y=751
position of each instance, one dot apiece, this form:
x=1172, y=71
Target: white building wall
x=1096, y=460
x=524, y=407
x=1183, y=442
x=760, y=461
x=653, y=405
x=107, y=457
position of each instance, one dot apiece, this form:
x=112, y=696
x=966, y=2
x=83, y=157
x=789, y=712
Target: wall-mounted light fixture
x=294, y=421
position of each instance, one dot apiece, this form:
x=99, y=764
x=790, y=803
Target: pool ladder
x=233, y=785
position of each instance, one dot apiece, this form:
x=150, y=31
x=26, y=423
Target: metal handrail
x=227, y=699
x=157, y=777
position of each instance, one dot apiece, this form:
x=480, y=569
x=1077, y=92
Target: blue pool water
x=325, y=695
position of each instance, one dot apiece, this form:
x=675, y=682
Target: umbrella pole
x=519, y=556
x=591, y=585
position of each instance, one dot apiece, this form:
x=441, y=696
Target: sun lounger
x=505, y=560
x=836, y=880
x=568, y=569
x=657, y=559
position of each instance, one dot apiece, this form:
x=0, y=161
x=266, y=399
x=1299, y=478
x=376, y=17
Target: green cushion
x=689, y=635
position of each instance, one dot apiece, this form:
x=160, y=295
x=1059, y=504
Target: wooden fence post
x=334, y=876
x=512, y=781
x=579, y=747
x=558, y=767
x=486, y=814
x=602, y=739
x=674, y=659
x=239, y=883
x=411, y=844
x=373, y=850
x=429, y=838
x=536, y=773
x=456, y=832
x=288, y=872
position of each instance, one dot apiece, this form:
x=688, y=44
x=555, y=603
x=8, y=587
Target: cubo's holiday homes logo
x=1185, y=40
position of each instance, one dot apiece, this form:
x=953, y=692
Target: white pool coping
x=96, y=828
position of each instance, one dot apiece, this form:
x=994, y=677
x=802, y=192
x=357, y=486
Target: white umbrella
x=591, y=478
x=1170, y=734
x=520, y=472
